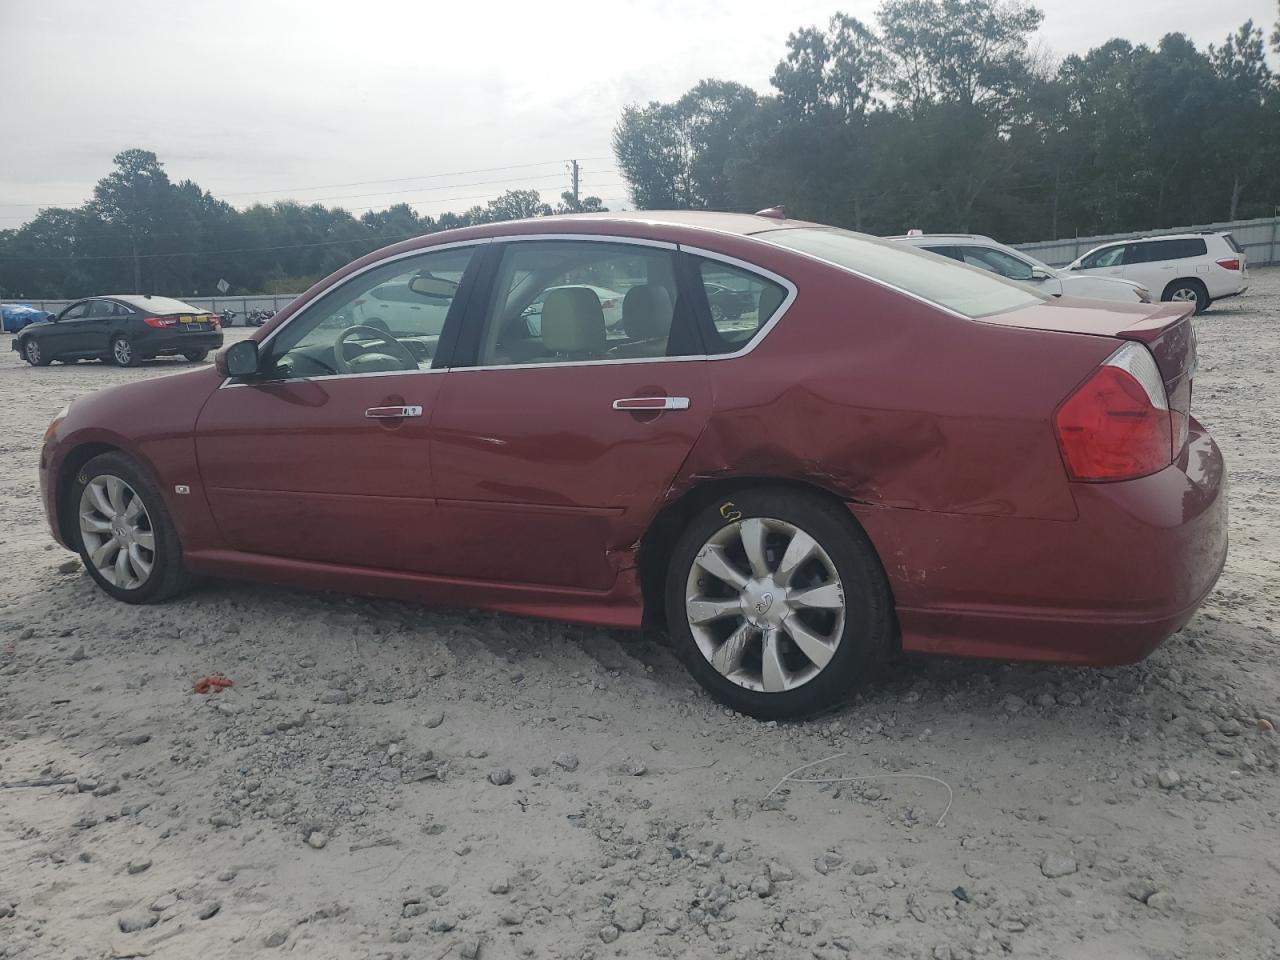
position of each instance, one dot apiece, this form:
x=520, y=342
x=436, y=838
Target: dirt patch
x=385, y=780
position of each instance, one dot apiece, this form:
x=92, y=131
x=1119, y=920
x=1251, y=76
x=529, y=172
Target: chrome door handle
x=651, y=403
x=392, y=413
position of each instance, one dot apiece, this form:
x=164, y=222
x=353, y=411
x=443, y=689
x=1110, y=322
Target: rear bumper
x=178, y=341
x=1105, y=588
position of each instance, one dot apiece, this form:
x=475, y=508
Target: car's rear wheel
x=127, y=541
x=777, y=603
x=32, y=353
x=196, y=356
x=1188, y=291
x=122, y=352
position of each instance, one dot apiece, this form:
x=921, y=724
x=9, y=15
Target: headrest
x=646, y=312
x=573, y=321
x=771, y=298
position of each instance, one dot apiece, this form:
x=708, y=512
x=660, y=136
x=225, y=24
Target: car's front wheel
x=127, y=542
x=123, y=353
x=777, y=603
x=32, y=353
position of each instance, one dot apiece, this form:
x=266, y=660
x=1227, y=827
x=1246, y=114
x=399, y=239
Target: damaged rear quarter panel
x=889, y=402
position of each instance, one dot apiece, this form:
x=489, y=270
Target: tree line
x=142, y=232
x=944, y=115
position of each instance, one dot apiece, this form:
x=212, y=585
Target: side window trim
x=337, y=284
x=764, y=331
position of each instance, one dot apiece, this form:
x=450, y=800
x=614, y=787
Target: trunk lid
x=1166, y=329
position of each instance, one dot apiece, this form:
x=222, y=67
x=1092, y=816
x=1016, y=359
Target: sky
x=440, y=105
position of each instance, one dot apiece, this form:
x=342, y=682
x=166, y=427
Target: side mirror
x=1039, y=274
x=239, y=359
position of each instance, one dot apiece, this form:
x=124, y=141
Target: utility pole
x=573, y=171
x=137, y=269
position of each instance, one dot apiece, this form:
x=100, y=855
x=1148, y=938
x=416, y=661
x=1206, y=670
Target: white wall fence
x=1259, y=238
x=241, y=305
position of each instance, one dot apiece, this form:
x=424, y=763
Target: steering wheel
x=370, y=333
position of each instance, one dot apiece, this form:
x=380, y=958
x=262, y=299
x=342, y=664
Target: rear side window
x=740, y=302
x=964, y=290
x=1153, y=251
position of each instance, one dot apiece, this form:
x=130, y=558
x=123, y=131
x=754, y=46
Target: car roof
x=154, y=304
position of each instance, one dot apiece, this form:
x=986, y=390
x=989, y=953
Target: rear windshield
x=160, y=305
x=965, y=290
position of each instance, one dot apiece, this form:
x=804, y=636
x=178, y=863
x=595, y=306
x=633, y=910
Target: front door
x=66, y=336
x=325, y=455
x=556, y=435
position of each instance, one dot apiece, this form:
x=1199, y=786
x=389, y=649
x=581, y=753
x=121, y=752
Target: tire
x=94, y=484
x=852, y=616
x=32, y=353
x=123, y=352
x=1188, y=290
x=196, y=356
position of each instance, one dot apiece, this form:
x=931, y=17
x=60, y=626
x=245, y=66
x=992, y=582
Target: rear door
x=554, y=443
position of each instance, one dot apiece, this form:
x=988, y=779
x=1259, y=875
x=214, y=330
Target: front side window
x=740, y=301
x=578, y=301
x=1106, y=257
x=387, y=319
x=953, y=286
x=77, y=311
x=997, y=261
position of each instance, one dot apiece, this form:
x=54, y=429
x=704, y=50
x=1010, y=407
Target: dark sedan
x=123, y=330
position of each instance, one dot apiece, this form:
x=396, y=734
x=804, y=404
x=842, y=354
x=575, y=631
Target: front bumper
x=1105, y=588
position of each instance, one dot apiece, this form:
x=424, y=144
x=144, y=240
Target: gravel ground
x=385, y=780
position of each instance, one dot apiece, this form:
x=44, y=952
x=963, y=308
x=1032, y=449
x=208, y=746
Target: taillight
x=1117, y=425
x=216, y=321
x=160, y=322
x=1229, y=263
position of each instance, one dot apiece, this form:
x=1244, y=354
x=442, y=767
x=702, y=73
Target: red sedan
x=887, y=451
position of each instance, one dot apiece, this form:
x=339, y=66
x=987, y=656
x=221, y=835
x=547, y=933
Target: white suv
x=1193, y=267
x=987, y=254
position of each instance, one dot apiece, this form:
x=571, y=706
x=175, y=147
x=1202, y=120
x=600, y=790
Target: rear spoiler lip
x=1158, y=322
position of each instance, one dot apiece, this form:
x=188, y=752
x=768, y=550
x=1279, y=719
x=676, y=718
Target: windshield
x=965, y=290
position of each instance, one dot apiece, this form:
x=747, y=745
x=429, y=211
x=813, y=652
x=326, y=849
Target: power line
x=355, y=183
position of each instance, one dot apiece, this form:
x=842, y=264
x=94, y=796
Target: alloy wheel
x=1185, y=295
x=33, y=353
x=122, y=350
x=765, y=604
x=117, y=533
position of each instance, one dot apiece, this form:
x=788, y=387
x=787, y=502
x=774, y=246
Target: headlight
x=56, y=422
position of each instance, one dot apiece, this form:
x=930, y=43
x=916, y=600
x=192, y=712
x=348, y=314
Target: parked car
x=15, y=316
x=1196, y=268
x=986, y=254
x=727, y=303
x=121, y=329
x=899, y=453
